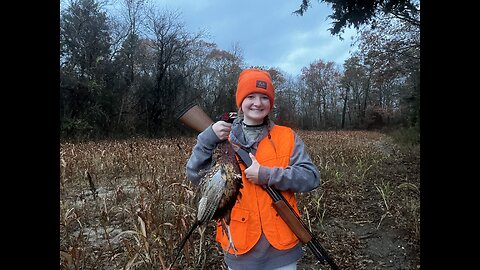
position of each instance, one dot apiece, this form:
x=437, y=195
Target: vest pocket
x=238, y=229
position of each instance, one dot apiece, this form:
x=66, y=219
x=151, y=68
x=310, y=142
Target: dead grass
x=138, y=202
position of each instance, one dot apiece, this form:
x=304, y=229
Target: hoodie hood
x=237, y=136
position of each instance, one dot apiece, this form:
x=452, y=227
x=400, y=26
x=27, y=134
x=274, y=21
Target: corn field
x=126, y=204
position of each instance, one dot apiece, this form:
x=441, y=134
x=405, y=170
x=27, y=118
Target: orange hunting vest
x=253, y=211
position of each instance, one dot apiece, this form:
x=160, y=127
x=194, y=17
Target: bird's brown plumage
x=218, y=190
x=225, y=157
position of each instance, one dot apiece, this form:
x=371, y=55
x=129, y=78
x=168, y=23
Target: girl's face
x=255, y=107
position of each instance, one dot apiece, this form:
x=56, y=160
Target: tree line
x=127, y=73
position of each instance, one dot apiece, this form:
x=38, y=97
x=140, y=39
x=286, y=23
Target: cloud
x=266, y=31
x=301, y=48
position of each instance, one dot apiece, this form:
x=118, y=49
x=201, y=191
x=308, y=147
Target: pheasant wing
x=213, y=186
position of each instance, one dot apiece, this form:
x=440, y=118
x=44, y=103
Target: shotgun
x=194, y=117
x=291, y=218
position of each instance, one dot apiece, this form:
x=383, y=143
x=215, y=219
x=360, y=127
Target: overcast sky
x=266, y=31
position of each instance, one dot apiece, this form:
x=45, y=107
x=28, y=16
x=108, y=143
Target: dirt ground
x=380, y=239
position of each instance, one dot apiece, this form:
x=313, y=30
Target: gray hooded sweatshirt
x=300, y=176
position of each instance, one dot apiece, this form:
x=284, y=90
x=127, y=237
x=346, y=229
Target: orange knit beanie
x=254, y=81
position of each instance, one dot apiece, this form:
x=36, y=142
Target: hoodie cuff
x=263, y=175
x=209, y=138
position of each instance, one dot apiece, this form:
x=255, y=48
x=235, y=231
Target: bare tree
x=321, y=79
x=84, y=53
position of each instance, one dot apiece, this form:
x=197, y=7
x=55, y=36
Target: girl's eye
x=262, y=97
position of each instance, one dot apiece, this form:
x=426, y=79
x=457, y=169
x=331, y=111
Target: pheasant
x=218, y=190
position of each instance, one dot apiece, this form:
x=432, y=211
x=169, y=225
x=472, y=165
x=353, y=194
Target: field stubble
x=126, y=204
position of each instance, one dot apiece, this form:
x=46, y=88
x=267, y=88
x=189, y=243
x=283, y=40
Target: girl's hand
x=222, y=129
x=252, y=172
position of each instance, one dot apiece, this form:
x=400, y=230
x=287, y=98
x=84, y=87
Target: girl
x=262, y=239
